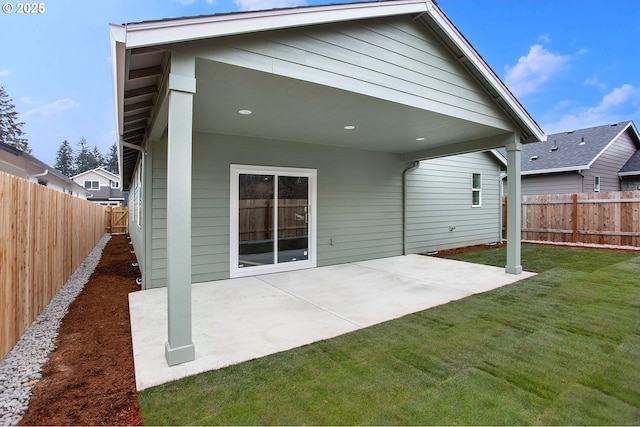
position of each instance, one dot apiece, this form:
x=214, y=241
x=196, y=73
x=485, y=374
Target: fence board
x=45, y=236
x=608, y=218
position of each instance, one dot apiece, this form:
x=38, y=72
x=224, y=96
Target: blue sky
x=571, y=63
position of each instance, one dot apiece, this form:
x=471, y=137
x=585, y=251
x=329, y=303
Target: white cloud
x=267, y=4
x=52, y=109
x=544, y=38
x=622, y=103
x=533, y=70
x=4, y=73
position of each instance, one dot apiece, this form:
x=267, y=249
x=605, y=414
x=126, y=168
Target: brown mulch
x=89, y=378
x=466, y=249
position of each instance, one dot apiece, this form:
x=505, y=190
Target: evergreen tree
x=10, y=128
x=111, y=161
x=97, y=158
x=64, y=159
x=85, y=160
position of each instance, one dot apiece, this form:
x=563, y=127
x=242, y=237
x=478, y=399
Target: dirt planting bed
x=89, y=378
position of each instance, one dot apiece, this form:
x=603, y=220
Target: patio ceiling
x=289, y=109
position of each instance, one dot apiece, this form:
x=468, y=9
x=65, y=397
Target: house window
x=92, y=185
x=476, y=190
x=115, y=184
x=596, y=184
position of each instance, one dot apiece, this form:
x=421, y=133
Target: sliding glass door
x=272, y=219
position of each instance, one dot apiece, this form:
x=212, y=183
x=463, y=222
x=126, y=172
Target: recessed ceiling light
x=245, y=112
x=349, y=127
x=420, y=138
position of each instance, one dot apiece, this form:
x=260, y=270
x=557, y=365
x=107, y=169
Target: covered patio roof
x=281, y=105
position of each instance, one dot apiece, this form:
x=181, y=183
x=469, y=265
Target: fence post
x=574, y=218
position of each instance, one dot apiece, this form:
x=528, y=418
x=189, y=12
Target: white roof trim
x=567, y=169
x=499, y=156
x=630, y=173
x=606, y=147
x=471, y=55
x=100, y=171
x=173, y=30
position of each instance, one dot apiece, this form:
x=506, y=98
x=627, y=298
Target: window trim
x=91, y=184
x=596, y=183
x=475, y=190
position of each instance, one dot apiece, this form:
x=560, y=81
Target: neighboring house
x=103, y=186
x=269, y=141
x=583, y=161
x=630, y=173
x=16, y=162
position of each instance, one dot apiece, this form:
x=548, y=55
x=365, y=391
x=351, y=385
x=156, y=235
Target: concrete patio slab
x=237, y=320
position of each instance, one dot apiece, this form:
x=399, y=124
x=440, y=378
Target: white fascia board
x=606, y=147
x=499, y=156
x=631, y=173
x=471, y=55
x=556, y=170
x=181, y=30
x=118, y=35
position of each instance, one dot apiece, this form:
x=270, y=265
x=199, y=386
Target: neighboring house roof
x=573, y=150
x=632, y=167
x=33, y=167
x=100, y=171
x=140, y=84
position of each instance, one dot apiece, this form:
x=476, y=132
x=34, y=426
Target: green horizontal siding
x=439, y=197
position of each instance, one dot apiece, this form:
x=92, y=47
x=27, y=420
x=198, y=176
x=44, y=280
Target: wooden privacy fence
x=609, y=218
x=255, y=218
x=116, y=220
x=46, y=234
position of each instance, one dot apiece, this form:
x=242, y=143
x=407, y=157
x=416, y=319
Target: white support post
x=514, y=197
x=182, y=86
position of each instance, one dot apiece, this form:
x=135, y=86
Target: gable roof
x=100, y=171
x=134, y=118
x=573, y=150
x=632, y=167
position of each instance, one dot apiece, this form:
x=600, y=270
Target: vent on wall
x=534, y=157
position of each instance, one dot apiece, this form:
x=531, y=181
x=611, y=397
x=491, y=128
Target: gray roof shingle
x=633, y=165
x=569, y=150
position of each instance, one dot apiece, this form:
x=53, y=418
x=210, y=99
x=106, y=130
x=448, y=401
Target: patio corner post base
x=178, y=355
x=516, y=269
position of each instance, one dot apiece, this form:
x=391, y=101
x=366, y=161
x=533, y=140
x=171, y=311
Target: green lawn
x=559, y=348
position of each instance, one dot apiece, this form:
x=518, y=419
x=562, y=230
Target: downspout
x=415, y=166
x=46, y=172
x=581, y=181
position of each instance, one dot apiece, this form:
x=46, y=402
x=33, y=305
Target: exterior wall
x=359, y=201
x=630, y=183
x=92, y=176
x=136, y=231
x=555, y=183
x=439, y=197
x=609, y=164
x=388, y=58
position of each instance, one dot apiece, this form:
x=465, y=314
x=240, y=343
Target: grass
x=562, y=347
